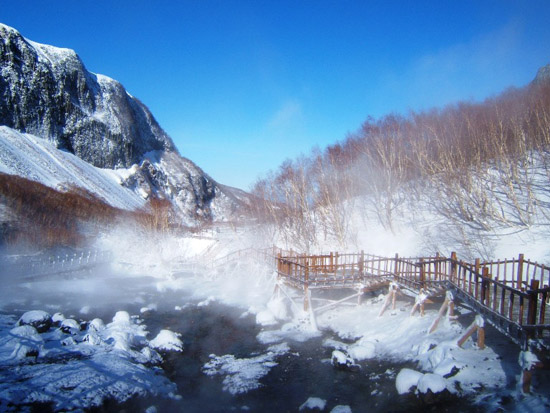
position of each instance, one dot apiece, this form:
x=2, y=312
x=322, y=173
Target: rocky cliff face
x=47, y=92
x=543, y=75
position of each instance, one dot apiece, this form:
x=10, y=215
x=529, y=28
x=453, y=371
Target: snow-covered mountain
x=61, y=124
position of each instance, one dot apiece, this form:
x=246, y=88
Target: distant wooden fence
x=30, y=266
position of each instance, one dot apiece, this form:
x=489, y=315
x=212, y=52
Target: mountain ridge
x=47, y=92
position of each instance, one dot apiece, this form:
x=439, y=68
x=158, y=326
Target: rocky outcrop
x=46, y=91
x=543, y=75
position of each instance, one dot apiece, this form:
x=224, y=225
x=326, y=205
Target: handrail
x=526, y=306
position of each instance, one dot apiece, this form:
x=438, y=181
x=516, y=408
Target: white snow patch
x=407, y=379
x=313, y=403
x=431, y=382
x=243, y=374
x=527, y=360
x=167, y=340
x=341, y=409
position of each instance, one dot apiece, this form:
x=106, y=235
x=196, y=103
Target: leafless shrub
x=477, y=158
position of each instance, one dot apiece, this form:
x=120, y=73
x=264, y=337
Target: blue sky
x=242, y=85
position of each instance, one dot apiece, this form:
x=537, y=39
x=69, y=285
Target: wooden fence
x=513, y=291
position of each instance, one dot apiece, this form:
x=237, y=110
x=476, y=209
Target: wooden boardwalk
x=512, y=294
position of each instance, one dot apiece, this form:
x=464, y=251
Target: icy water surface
x=293, y=373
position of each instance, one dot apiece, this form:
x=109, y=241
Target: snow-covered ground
x=151, y=271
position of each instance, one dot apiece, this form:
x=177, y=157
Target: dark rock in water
x=57, y=319
x=70, y=326
x=442, y=397
x=343, y=362
x=432, y=389
x=40, y=320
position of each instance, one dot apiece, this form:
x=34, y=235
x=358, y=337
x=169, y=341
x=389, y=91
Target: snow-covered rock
x=70, y=326
x=314, y=403
x=124, y=333
x=431, y=382
x=57, y=318
x=342, y=361
x=167, y=340
x=24, y=341
x=40, y=320
x=96, y=325
x=341, y=408
x=406, y=380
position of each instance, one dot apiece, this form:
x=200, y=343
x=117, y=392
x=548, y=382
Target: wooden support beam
x=478, y=325
x=419, y=303
x=392, y=293
x=448, y=306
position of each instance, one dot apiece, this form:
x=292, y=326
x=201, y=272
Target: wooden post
x=361, y=262
x=477, y=266
x=532, y=310
x=484, y=285
x=453, y=267
x=306, y=286
x=422, y=275
x=481, y=337
x=526, y=376
x=520, y=272
x=437, y=267
x=396, y=266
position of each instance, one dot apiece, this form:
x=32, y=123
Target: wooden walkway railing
x=513, y=294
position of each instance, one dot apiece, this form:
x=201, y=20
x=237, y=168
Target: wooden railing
x=513, y=291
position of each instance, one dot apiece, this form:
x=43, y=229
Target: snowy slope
x=37, y=159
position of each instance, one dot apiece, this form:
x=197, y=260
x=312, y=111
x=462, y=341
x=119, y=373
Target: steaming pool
x=228, y=362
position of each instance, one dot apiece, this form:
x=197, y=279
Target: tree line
x=483, y=164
